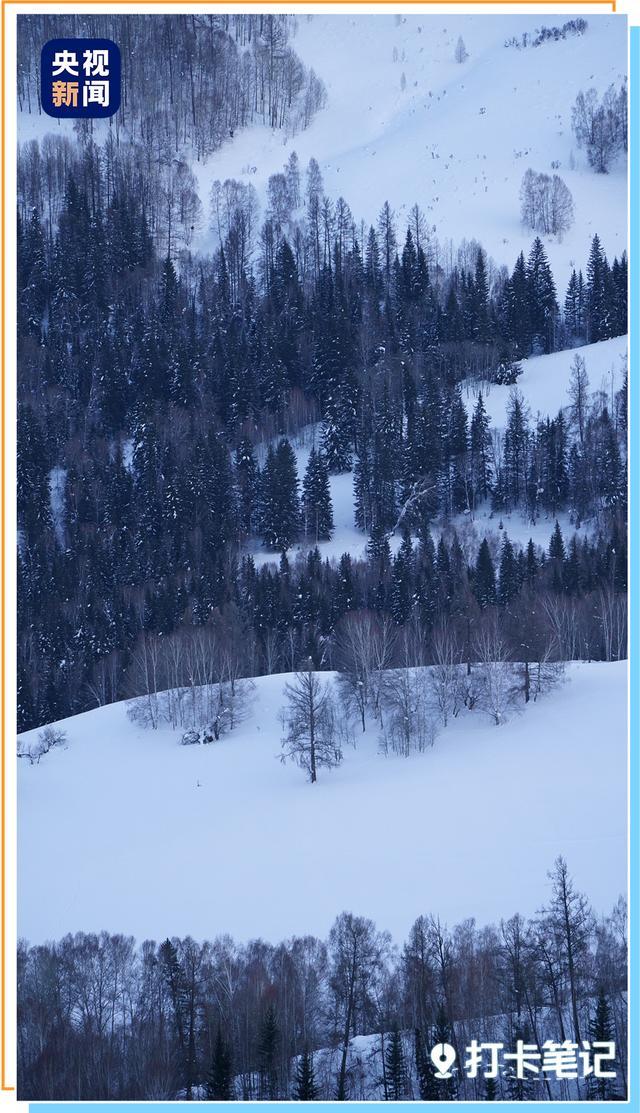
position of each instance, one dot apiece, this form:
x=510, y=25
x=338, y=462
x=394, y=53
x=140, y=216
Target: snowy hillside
x=544, y=383
x=457, y=138
x=149, y=837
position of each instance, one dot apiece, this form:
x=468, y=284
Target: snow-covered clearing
x=544, y=381
x=126, y=830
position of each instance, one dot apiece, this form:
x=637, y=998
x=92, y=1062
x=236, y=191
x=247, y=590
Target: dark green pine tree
x=279, y=502
x=305, y=1086
x=572, y=568
x=619, y=321
x=345, y=594
x=557, y=557
x=484, y=580
x=601, y=1030
x=509, y=576
x=520, y=1089
x=268, y=1042
x=443, y=1033
x=395, y=1069
x=362, y=487
x=518, y=309
x=220, y=1085
x=531, y=563
x=596, y=300
x=480, y=300
x=542, y=298
x=402, y=581
x=337, y=431
x=515, y=452
x=572, y=310
x=246, y=475
x=378, y=549
x=480, y=449
x=427, y=1083
x=316, y=499
x=609, y=472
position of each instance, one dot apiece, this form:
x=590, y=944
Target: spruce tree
x=246, y=474
x=557, y=557
x=279, y=503
x=484, y=582
x=220, y=1085
x=443, y=1033
x=601, y=1030
x=316, y=499
x=509, y=577
x=542, y=297
x=395, y=1068
x=305, y=1088
x=268, y=1043
x=480, y=447
x=427, y=1083
x=596, y=303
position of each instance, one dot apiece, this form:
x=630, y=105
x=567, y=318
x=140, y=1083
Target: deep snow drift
x=126, y=830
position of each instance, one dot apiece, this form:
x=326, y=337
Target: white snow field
x=126, y=830
x=458, y=138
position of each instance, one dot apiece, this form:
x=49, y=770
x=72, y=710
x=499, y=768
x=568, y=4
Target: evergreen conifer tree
x=484, y=584
x=220, y=1085
x=395, y=1068
x=316, y=499
x=269, y=1039
x=305, y=1088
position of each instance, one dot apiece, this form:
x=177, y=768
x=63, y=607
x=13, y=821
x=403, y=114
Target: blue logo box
x=80, y=78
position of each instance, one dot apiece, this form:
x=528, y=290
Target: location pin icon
x=443, y=1057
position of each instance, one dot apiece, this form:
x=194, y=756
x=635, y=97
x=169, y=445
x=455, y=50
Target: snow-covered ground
x=544, y=381
x=457, y=138
x=126, y=830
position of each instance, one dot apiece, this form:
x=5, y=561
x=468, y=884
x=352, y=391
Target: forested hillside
x=149, y=395
x=164, y=393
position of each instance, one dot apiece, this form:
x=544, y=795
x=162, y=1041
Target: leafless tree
x=446, y=672
x=356, y=660
x=579, y=395
x=497, y=693
x=311, y=738
x=546, y=203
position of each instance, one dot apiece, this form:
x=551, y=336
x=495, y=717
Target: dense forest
x=160, y=401
x=102, y=1018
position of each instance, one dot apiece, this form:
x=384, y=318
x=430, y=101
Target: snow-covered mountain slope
x=126, y=830
x=457, y=138
x=544, y=381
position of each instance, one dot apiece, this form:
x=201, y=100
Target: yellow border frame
x=4, y=1086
